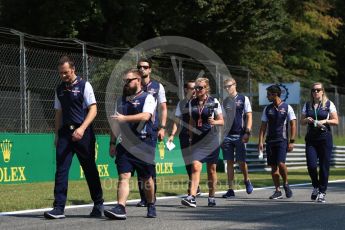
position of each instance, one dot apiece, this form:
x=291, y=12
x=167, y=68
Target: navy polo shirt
x=183, y=114
x=141, y=102
x=277, y=119
x=242, y=107
x=157, y=91
x=74, y=100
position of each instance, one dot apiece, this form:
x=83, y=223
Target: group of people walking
x=137, y=126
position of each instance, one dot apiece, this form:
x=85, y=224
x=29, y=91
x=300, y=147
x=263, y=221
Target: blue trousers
x=319, y=149
x=85, y=151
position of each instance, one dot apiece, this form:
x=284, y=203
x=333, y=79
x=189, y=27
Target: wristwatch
x=292, y=141
x=162, y=126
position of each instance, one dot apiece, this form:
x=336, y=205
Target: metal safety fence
x=29, y=76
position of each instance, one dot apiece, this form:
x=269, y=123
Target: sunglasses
x=316, y=90
x=128, y=80
x=199, y=88
x=143, y=66
x=228, y=86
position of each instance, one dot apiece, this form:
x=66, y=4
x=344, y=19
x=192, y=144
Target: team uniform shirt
x=319, y=113
x=139, y=103
x=277, y=119
x=156, y=89
x=74, y=101
x=237, y=127
x=203, y=115
x=183, y=114
x=137, y=137
x=322, y=112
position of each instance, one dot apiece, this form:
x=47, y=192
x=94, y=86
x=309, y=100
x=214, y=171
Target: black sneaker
x=229, y=194
x=97, y=210
x=56, y=213
x=276, y=195
x=249, y=187
x=288, y=192
x=142, y=203
x=314, y=194
x=198, y=191
x=189, y=201
x=116, y=213
x=211, y=202
x=151, y=211
x=321, y=197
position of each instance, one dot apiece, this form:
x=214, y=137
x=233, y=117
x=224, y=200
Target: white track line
x=137, y=200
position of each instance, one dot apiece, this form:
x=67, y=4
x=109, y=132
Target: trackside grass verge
x=40, y=195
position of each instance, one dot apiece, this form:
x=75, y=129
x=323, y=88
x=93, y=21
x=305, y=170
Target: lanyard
x=200, y=109
x=131, y=98
x=146, y=86
x=277, y=107
x=316, y=111
x=69, y=86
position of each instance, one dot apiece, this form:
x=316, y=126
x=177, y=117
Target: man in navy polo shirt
x=75, y=109
x=237, y=132
x=156, y=89
x=276, y=118
x=136, y=147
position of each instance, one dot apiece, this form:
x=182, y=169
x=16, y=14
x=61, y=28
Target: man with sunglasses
x=276, y=118
x=156, y=89
x=237, y=132
x=136, y=148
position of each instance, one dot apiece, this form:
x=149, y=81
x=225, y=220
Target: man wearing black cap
x=276, y=117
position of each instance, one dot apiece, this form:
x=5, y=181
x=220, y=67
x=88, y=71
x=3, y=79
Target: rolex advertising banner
x=27, y=158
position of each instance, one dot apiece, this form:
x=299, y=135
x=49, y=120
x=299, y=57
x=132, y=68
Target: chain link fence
x=29, y=76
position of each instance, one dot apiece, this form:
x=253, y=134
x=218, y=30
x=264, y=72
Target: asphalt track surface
x=253, y=211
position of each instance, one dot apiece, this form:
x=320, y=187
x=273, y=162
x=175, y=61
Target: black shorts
x=127, y=163
x=276, y=152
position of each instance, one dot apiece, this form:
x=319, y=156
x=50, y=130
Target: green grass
x=40, y=195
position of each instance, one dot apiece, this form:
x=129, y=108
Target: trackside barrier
x=294, y=160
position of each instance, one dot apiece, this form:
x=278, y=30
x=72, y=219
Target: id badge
x=315, y=123
x=199, y=122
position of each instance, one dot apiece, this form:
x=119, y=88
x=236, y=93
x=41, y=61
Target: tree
x=310, y=25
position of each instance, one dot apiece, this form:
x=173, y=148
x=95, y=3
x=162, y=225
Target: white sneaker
x=321, y=197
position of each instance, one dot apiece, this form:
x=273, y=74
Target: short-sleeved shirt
x=237, y=117
x=183, y=114
x=156, y=89
x=89, y=97
x=205, y=113
x=139, y=103
x=277, y=119
x=328, y=108
x=74, y=100
x=138, y=138
x=320, y=113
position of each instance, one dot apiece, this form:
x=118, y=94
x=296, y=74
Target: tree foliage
x=280, y=40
